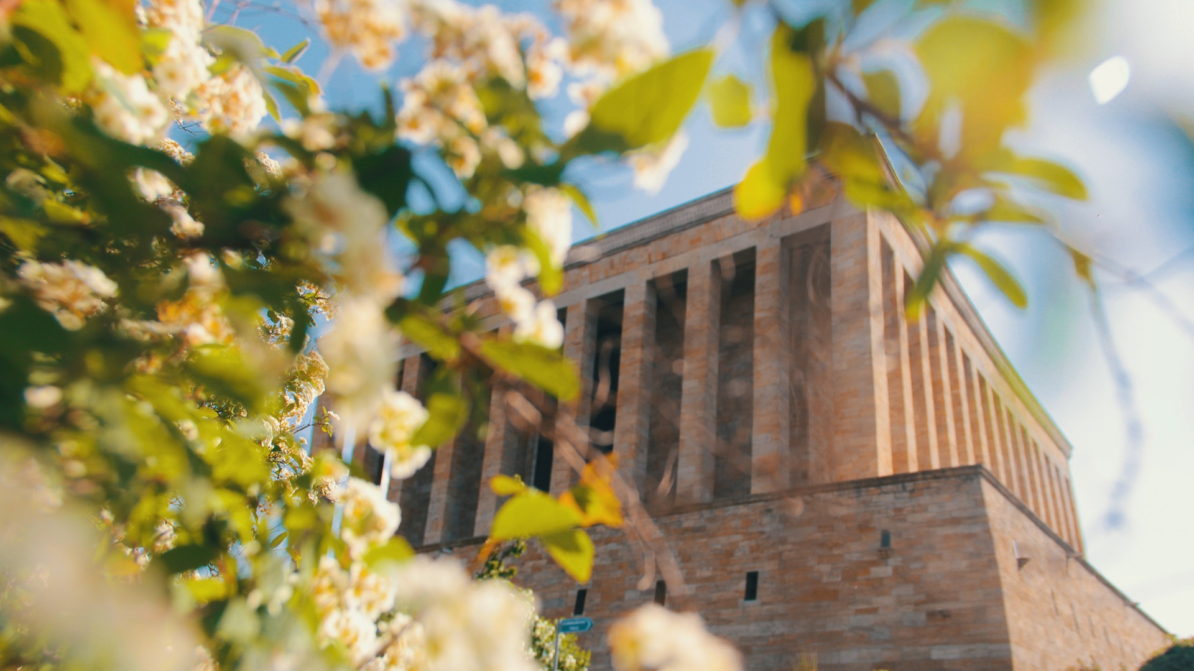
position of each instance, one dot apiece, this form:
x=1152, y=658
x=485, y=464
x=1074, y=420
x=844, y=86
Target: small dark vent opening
x=885, y=539
x=661, y=592
x=579, y=608
x=752, y=586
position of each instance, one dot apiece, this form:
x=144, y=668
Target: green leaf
x=386, y=174
x=849, y=155
x=111, y=31
x=551, y=277
x=292, y=54
x=547, y=369
x=729, y=100
x=505, y=485
x=46, y=19
x=573, y=551
x=981, y=66
x=1048, y=175
x=532, y=514
x=793, y=78
x=243, y=45
x=926, y=281
x=1005, y=210
x=447, y=411
x=224, y=371
x=883, y=90
x=582, y=203
x=648, y=108
x=1082, y=267
x=428, y=334
x=187, y=558
x=759, y=193
x=999, y=276
x=394, y=551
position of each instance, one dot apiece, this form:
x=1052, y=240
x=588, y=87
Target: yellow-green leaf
x=883, y=90
x=504, y=485
x=759, y=193
x=551, y=276
x=573, y=551
x=1082, y=266
x=999, y=276
x=982, y=66
x=649, y=107
x=446, y=413
x=425, y=332
x=795, y=83
x=50, y=22
x=547, y=369
x=582, y=203
x=729, y=100
x=1048, y=175
x=532, y=514
x=394, y=551
x=205, y=590
x=849, y=155
x=111, y=31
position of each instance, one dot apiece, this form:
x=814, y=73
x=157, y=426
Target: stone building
x=835, y=482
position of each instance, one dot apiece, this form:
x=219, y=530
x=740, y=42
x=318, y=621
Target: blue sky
x=1138, y=167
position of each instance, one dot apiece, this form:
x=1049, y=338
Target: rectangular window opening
x=661, y=592
x=752, y=586
x=579, y=607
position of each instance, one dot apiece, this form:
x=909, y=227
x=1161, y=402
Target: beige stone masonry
x=631, y=428
x=698, y=401
x=770, y=449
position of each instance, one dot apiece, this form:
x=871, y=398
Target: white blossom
x=368, y=29
x=612, y=38
x=653, y=638
x=369, y=518
x=124, y=107
x=184, y=225
x=361, y=351
x=232, y=103
x=516, y=302
x=399, y=417
x=542, y=328
x=549, y=214
x=351, y=629
x=506, y=266
x=652, y=165
x=73, y=291
x=42, y=397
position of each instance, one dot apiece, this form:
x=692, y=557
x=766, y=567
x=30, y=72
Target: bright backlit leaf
x=883, y=90
x=447, y=411
x=648, y=108
x=532, y=514
x=547, y=369
x=729, y=100
x=504, y=485
x=426, y=332
x=51, y=27
x=999, y=276
x=111, y=31
x=573, y=551
x=1048, y=175
x=394, y=551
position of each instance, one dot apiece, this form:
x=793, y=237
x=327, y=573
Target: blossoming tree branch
x=157, y=297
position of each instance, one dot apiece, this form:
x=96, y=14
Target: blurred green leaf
x=582, y=203
x=729, y=100
x=532, y=514
x=394, y=551
x=1006, y=210
x=50, y=22
x=447, y=411
x=292, y=54
x=547, y=369
x=427, y=333
x=649, y=107
x=766, y=184
x=387, y=175
x=187, y=558
x=1048, y=175
x=1082, y=266
x=883, y=91
x=573, y=551
x=226, y=372
x=999, y=276
x=111, y=30
x=982, y=66
x=551, y=277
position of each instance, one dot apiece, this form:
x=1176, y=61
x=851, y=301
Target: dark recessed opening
x=660, y=592
x=885, y=539
x=544, y=452
x=579, y=608
x=752, y=586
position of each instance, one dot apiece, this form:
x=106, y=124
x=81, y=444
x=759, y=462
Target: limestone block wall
x=944, y=594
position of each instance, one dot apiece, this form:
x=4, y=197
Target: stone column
x=771, y=429
x=580, y=341
x=929, y=454
x=943, y=392
x=496, y=440
x=698, y=399
x=631, y=427
x=963, y=391
x=862, y=421
x=437, y=506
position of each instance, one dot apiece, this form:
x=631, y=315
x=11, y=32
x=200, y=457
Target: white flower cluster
x=124, y=107
x=369, y=518
x=612, y=38
x=71, y=290
x=466, y=625
x=183, y=66
x=232, y=103
x=439, y=106
x=367, y=28
x=400, y=416
x=654, y=638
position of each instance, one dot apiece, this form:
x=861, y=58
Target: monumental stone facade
x=834, y=481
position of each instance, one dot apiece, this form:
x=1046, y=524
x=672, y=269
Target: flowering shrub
x=157, y=302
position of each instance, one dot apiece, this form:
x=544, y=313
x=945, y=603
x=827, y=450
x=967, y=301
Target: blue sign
x=575, y=625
